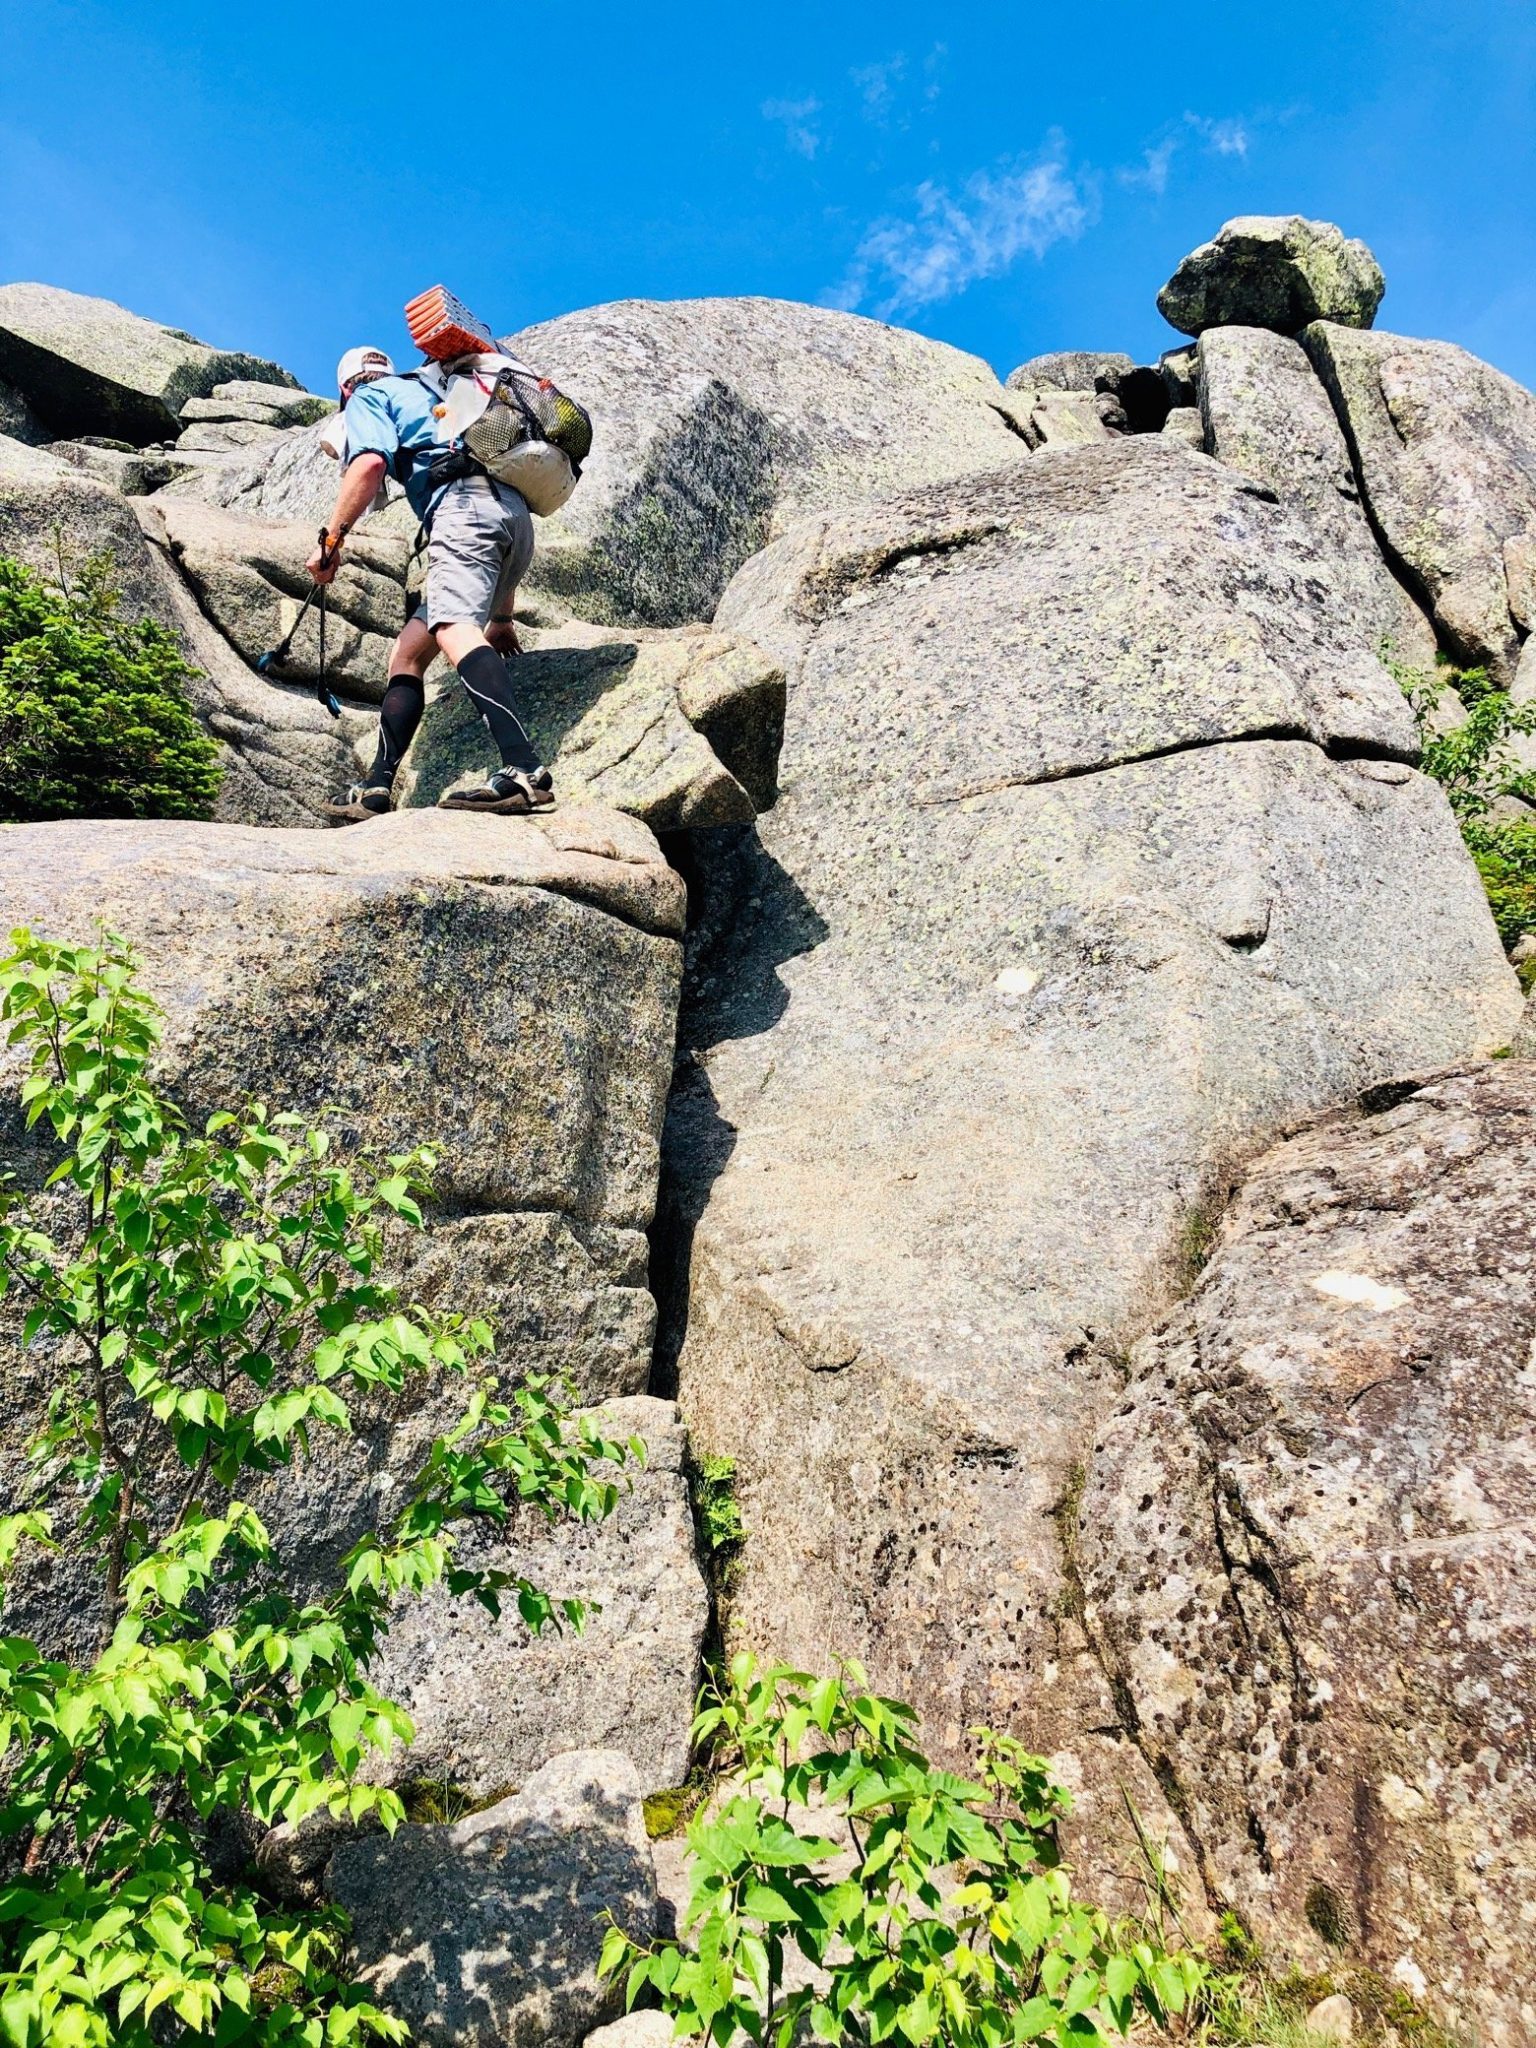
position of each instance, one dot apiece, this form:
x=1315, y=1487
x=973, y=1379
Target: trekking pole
x=276, y=656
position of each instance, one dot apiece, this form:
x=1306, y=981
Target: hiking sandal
x=508, y=793
x=362, y=800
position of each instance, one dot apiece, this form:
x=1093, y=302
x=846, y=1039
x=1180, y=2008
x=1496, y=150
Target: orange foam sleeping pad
x=442, y=326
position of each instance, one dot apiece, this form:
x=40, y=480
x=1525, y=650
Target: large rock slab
x=1264, y=412
x=716, y=421
x=681, y=730
x=250, y=579
x=1445, y=449
x=1092, y=608
x=283, y=756
x=487, y=1933
x=490, y=1706
x=502, y=990
x=1306, y=1546
x=1048, y=924
x=87, y=366
x=1273, y=270
x=224, y=436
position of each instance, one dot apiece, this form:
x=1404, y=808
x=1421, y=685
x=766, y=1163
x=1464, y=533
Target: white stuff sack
x=540, y=471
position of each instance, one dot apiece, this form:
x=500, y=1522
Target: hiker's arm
x=359, y=488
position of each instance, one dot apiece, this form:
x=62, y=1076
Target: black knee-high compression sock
x=484, y=674
x=399, y=715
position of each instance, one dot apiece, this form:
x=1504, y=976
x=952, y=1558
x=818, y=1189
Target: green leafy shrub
x=717, y=1508
x=94, y=716
x=1475, y=764
x=205, y=1304
x=934, y=1908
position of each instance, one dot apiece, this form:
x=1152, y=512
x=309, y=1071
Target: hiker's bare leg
x=460, y=637
x=415, y=650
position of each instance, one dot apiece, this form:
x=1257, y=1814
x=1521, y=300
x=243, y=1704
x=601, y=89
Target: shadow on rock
x=746, y=917
x=488, y=1930
x=698, y=509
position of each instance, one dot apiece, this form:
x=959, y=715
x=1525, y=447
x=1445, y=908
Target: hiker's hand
x=323, y=567
x=503, y=638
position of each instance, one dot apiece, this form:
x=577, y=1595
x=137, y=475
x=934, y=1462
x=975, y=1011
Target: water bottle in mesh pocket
x=531, y=408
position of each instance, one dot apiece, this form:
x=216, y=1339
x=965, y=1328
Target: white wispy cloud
x=798, y=119
x=950, y=241
x=877, y=84
x=1227, y=137
x=1152, y=171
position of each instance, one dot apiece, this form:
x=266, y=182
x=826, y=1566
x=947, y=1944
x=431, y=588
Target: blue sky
x=1007, y=178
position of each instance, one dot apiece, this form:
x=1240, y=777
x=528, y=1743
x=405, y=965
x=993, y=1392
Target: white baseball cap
x=360, y=364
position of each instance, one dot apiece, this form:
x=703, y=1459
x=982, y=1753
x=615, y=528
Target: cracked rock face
x=681, y=730
x=718, y=421
x=1264, y=412
x=249, y=578
x=500, y=989
x=1306, y=1544
x=1062, y=905
x=1277, y=271
x=1445, y=448
x=86, y=366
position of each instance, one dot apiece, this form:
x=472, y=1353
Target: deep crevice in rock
x=746, y=917
x=1397, y=568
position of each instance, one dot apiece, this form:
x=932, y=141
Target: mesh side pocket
x=551, y=415
x=498, y=428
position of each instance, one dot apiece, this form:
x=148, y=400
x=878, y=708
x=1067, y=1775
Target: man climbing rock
x=479, y=544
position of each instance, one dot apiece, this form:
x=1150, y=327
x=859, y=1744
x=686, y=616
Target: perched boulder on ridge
x=486, y=1933
x=1265, y=413
x=716, y=421
x=1306, y=1548
x=1273, y=270
x=1086, y=875
x=87, y=366
x=1445, y=448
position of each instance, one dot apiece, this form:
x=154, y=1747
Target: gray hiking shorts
x=477, y=552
